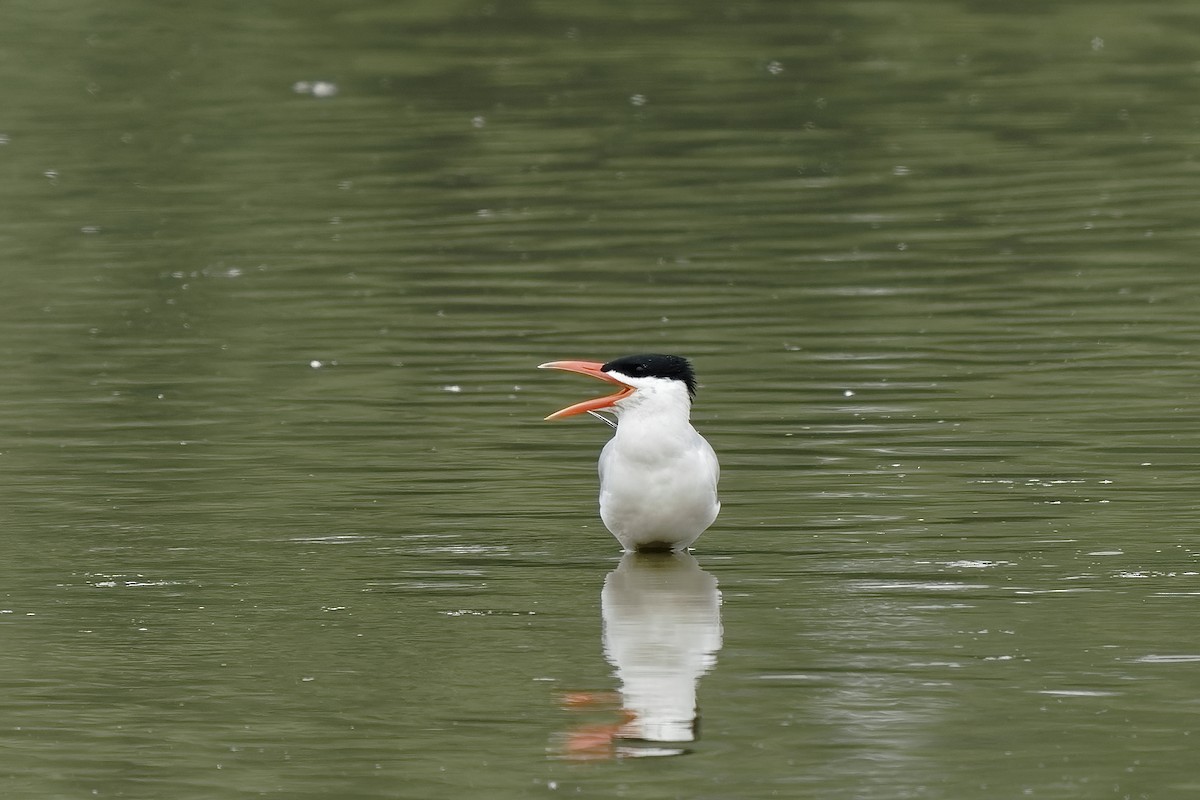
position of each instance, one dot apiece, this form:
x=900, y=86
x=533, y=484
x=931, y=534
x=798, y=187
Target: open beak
x=592, y=369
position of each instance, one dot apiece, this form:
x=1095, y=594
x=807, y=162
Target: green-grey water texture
x=280, y=515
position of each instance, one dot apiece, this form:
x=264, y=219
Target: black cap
x=655, y=365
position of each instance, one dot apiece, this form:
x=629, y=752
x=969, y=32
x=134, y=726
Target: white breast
x=658, y=485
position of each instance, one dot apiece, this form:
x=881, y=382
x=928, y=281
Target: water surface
x=281, y=515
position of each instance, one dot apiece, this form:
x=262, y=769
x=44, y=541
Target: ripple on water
x=1167, y=659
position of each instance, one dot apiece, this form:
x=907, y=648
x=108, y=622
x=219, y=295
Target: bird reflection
x=662, y=631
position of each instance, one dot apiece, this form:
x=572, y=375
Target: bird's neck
x=664, y=418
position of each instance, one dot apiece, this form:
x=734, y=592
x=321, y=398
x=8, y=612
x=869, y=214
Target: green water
x=280, y=514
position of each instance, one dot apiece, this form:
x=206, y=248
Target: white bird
x=658, y=476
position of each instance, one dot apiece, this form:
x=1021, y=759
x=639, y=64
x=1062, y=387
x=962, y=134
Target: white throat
x=661, y=402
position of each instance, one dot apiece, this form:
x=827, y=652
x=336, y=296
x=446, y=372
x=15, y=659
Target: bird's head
x=649, y=379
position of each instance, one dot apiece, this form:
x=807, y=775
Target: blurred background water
x=280, y=515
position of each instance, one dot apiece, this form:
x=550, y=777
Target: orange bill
x=592, y=369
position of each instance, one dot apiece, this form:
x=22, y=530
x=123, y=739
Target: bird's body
x=658, y=476
x=658, y=483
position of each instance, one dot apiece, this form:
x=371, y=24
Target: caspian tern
x=658, y=476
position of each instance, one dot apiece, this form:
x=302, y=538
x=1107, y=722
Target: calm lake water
x=281, y=515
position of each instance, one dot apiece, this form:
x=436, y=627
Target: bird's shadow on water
x=661, y=633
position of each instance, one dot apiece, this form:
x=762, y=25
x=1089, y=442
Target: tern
x=658, y=476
